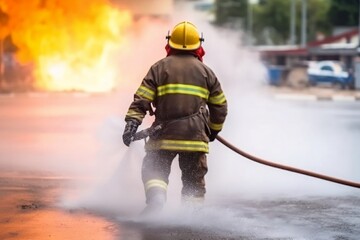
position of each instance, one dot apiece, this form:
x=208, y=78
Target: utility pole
x=292, y=22
x=356, y=63
x=303, y=23
x=359, y=30
x=249, y=22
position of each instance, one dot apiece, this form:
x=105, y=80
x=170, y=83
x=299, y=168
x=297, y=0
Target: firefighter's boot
x=193, y=203
x=155, y=204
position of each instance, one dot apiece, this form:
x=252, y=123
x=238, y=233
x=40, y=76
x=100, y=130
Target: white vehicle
x=330, y=72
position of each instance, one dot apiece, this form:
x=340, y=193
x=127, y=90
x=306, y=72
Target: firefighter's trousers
x=156, y=170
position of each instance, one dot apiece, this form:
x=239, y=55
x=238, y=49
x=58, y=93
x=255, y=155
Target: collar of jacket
x=199, y=53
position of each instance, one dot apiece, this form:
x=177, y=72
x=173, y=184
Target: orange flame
x=71, y=43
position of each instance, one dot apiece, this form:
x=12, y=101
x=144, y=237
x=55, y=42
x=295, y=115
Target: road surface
x=63, y=167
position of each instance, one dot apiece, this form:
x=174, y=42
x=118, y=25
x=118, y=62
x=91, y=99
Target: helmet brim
x=182, y=47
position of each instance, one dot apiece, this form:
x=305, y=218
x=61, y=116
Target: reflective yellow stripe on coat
x=134, y=114
x=179, y=145
x=183, y=89
x=216, y=126
x=218, y=100
x=146, y=93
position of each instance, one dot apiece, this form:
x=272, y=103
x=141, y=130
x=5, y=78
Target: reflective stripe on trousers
x=152, y=183
x=157, y=166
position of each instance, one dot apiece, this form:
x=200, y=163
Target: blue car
x=329, y=72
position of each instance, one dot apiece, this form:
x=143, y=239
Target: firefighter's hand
x=129, y=132
x=213, y=134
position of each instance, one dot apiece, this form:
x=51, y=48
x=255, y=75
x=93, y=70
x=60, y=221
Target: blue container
x=275, y=75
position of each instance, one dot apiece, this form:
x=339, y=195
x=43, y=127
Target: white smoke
x=287, y=133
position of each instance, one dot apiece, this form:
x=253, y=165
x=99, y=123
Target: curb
x=310, y=97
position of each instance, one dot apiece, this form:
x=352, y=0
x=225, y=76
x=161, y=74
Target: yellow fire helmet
x=185, y=36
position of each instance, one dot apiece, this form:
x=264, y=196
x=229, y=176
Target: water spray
x=150, y=131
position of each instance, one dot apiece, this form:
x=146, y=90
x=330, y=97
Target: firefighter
x=190, y=107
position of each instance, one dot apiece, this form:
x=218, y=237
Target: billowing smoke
x=288, y=133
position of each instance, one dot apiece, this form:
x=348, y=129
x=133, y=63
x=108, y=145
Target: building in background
x=288, y=64
x=152, y=8
x=341, y=47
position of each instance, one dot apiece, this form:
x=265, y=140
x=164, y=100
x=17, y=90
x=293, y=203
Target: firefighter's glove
x=129, y=132
x=213, y=134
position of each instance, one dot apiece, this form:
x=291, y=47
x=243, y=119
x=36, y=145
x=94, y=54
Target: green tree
x=227, y=11
x=344, y=12
x=272, y=20
x=318, y=19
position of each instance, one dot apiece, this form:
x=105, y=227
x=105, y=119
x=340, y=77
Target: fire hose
x=152, y=130
x=287, y=168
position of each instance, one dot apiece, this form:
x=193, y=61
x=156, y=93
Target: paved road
x=80, y=136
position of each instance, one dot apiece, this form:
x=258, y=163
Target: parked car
x=329, y=72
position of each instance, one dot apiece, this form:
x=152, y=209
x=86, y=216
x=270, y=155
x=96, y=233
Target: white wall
x=148, y=7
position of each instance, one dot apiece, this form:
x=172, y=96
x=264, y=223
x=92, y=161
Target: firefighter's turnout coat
x=188, y=102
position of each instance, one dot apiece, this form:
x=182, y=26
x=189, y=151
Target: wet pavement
x=50, y=144
x=29, y=210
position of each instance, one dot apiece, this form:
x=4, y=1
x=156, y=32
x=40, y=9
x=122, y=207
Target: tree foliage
x=272, y=21
x=344, y=12
x=271, y=18
x=229, y=10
